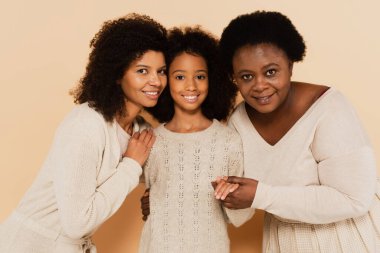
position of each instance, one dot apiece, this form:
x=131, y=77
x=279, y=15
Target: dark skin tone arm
x=144, y=204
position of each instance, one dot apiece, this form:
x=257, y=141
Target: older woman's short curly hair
x=221, y=91
x=261, y=27
x=118, y=43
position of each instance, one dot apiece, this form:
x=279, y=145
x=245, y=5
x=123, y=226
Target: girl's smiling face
x=188, y=82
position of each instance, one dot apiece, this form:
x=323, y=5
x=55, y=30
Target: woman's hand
x=240, y=198
x=139, y=146
x=144, y=204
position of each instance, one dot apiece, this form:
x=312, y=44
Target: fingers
x=136, y=136
x=144, y=200
x=147, y=137
x=216, y=182
x=235, y=180
x=145, y=197
x=228, y=189
x=223, y=189
x=145, y=210
x=145, y=207
x=219, y=188
x=151, y=141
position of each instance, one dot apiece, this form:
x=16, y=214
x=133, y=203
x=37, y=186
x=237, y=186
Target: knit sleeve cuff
x=132, y=168
x=262, y=196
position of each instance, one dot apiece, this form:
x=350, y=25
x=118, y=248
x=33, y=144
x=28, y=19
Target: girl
x=192, y=148
x=97, y=153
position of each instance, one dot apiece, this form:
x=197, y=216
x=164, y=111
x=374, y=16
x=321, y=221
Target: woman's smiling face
x=262, y=73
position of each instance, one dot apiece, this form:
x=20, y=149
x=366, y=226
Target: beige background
x=44, y=49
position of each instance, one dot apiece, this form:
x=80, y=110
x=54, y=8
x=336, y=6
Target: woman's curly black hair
x=118, y=43
x=261, y=27
x=221, y=91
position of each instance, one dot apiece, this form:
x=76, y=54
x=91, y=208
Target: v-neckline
x=291, y=129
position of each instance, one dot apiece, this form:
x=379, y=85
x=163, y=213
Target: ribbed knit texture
x=184, y=214
x=81, y=184
x=320, y=174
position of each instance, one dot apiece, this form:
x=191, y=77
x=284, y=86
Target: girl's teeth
x=190, y=98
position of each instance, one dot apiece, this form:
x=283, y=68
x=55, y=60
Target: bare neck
x=188, y=123
x=130, y=113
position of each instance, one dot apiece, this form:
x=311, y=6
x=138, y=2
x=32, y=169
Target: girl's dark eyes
x=180, y=77
x=198, y=77
x=201, y=77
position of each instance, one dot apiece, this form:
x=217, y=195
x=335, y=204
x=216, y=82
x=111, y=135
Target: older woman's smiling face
x=262, y=73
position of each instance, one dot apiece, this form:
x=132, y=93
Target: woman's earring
x=234, y=81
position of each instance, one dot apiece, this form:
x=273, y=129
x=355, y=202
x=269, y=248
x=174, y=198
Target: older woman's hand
x=243, y=196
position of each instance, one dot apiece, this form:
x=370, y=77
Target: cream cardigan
x=82, y=183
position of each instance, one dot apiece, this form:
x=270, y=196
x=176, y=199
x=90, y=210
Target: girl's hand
x=223, y=188
x=139, y=146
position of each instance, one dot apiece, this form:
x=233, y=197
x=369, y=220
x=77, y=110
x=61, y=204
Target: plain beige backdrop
x=44, y=49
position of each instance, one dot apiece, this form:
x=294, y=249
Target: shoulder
x=83, y=120
x=309, y=89
x=305, y=95
x=324, y=98
x=237, y=113
x=334, y=102
x=239, y=120
x=230, y=135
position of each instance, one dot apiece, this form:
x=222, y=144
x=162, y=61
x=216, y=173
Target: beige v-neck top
x=322, y=170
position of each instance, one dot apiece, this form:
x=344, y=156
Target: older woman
x=311, y=165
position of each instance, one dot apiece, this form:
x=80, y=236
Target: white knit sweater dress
x=184, y=214
x=81, y=184
x=311, y=182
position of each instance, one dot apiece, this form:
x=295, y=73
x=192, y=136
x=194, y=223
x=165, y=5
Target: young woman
x=97, y=153
x=311, y=165
x=191, y=149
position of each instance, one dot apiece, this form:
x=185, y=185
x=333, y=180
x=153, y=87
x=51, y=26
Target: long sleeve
x=148, y=168
x=235, y=166
x=345, y=167
x=77, y=154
